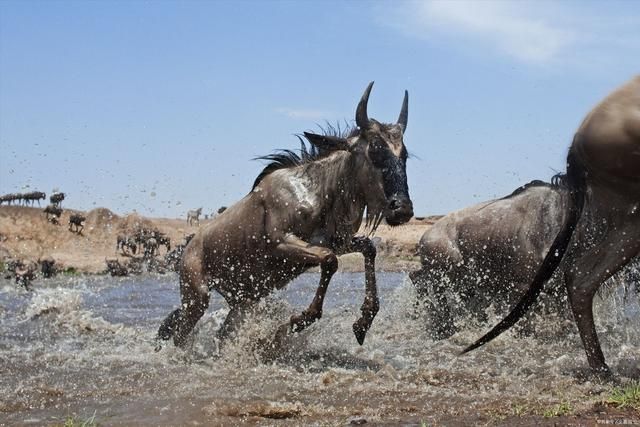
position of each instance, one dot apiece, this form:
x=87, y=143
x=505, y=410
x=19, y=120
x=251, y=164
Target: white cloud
x=302, y=114
x=539, y=33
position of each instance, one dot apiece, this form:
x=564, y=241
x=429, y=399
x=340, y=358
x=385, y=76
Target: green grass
x=625, y=397
x=75, y=422
x=558, y=410
x=70, y=271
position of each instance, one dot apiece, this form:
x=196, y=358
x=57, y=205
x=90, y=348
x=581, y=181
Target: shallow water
x=84, y=347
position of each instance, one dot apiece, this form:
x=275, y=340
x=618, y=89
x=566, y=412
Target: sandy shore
x=25, y=234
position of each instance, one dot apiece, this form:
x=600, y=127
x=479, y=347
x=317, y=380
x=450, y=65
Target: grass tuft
x=559, y=410
x=625, y=397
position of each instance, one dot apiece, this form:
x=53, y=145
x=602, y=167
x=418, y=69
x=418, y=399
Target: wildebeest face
x=388, y=156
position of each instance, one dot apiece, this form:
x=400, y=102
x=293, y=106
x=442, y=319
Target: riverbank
x=26, y=235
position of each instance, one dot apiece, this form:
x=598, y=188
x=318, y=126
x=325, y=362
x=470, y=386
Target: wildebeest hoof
x=360, y=331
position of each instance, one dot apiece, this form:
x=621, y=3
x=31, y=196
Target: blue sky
x=159, y=106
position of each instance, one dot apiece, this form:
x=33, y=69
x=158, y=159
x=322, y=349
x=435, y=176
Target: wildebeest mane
x=285, y=158
x=557, y=181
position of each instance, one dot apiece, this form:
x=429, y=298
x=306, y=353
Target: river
x=83, y=347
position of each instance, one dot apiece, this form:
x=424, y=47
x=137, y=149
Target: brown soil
x=25, y=234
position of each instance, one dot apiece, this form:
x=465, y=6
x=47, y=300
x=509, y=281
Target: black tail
x=577, y=186
x=168, y=326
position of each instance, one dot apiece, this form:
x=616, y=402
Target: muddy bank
x=25, y=234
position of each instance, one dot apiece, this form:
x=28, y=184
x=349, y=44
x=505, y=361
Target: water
x=84, y=347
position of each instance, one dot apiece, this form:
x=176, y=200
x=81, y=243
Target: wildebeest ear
x=327, y=142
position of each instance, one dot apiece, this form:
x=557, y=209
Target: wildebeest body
x=602, y=230
x=302, y=211
x=487, y=253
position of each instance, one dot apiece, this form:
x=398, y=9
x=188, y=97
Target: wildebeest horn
x=404, y=112
x=362, y=118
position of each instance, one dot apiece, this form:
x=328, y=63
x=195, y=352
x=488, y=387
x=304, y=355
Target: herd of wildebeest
x=305, y=209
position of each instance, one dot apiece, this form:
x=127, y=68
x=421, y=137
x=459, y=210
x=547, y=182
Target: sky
x=159, y=106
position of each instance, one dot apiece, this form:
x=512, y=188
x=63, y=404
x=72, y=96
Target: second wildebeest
x=56, y=198
x=487, y=253
x=603, y=215
x=126, y=244
x=303, y=211
x=52, y=213
x=76, y=221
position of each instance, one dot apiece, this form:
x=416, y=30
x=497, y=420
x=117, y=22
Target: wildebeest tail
x=577, y=188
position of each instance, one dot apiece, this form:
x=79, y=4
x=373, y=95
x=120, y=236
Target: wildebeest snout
x=399, y=210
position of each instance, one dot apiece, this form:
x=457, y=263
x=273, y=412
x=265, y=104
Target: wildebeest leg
x=439, y=305
x=195, y=301
x=299, y=251
x=588, y=273
x=371, y=303
x=231, y=322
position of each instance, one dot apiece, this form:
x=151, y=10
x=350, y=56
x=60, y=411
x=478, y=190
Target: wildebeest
x=302, y=211
x=150, y=247
x=126, y=244
x=194, y=216
x=34, y=196
x=163, y=240
x=487, y=253
x=56, y=198
x=603, y=215
x=52, y=213
x=172, y=258
x=75, y=221
x=9, y=198
x=115, y=268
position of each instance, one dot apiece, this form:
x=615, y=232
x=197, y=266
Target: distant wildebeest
x=48, y=267
x=9, y=198
x=603, y=215
x=194, y=216
x=126, y=244
x=56, y=199
x=114, y=268
x=25, y=272
x=53, y=213
x=172, y=258
x=488, y=253
x=75, y=221
x=303, y=211
x=34, y=196
x=150, y=248
x=162, y=240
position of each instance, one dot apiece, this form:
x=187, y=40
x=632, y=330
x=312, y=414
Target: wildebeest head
x=381, y=160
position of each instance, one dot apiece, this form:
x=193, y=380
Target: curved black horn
x=404, y=112
x=362, y=118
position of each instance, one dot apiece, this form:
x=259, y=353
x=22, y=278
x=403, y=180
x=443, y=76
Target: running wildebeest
x=302, y=211
x=53, y=213
x=56, y=199
x=603, y=217
x=126, y=244
x=76, y=221
x=194, y=216
x=488, y=253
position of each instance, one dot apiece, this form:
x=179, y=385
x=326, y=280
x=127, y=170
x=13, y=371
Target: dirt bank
x=25, y=234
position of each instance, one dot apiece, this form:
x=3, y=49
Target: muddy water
x=84, y=347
